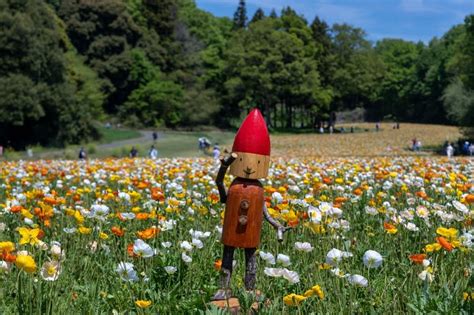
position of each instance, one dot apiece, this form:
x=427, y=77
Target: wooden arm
x=225, y=163
x=277, y=225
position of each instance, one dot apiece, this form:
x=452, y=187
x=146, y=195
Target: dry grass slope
x=386, y=142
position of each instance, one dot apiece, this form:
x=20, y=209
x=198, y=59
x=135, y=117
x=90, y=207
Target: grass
x=111, y=134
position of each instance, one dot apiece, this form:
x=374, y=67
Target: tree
x=40, y=102
x=273, y=14
x=259, y=15
x=240, y=16
x=267, y=67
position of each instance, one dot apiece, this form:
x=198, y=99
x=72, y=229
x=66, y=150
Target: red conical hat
x=253, y=136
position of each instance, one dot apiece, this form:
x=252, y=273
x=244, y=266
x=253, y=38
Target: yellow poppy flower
x=28, y=236
x=293, y=299
x=142, y=303
x=25, y=262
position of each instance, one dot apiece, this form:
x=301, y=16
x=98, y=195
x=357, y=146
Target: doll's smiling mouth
x=248, y=171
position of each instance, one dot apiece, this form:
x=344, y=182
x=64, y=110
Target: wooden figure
x=245, y=203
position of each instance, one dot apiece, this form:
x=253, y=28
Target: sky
x=413, y=20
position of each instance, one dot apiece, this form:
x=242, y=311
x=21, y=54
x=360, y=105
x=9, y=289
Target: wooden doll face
x=252, y=166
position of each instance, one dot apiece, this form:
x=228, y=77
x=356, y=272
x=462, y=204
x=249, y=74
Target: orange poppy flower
x=117, y=231
x=218, y=264
x=157, y=194
x=293, y=223
x=327, y=180
x=417, y=258
x=469, y=198
x=50, y=200
x=7, y=256
x=142, y=216
x=444, y=243
x=388, y=226
x=421, y=194
x=340, y=200
x=15, y=209
x=130, y=250
x=148, y=233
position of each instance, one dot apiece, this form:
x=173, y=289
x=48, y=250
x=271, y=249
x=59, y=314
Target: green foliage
x=459, y=104
x=154, y=104
x=47, y=96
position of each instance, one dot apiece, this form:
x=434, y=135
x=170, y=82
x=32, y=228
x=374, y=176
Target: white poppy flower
x=460, y=207
x=142, y=249
x=371, y=210
x=187, y=259
x=269, y=258
x=325, y=207
x=425, y=275
x=372, y=259
x=185, y=245
x=197, y=243
x=314, y=214
x=335, y=255
x=304, y=247
x=69, y=230
x=4, y=266
x=126, y=272
x=273, y=272
x=411, y=227
x=291, y=276
x=50, y=270
x=166, y=244
x=199, y=234
x=277, y=197
x=358, y=280
x=98, y=212
x=283, y=259
x=128, y=215
x=170, y=269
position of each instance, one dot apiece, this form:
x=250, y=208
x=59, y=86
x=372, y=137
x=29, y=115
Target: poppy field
x=124, y=236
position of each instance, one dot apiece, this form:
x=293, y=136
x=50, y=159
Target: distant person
x=29, y=152
x=377, y=126
x=418, y=145
x=471, y=149
x=331, y=129
x=449, y=150
x=465, y=147
x=352, y=129
x=155, y=136
x=108, y=125
x=82, y=154
x=343, y=130
x=413, y=144
x=321, y=130
x=216, y=152
x=398, y=125
x=1, y=150
x=153, y=152
x=133, y=152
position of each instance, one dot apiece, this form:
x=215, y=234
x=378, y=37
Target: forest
x=68, y=64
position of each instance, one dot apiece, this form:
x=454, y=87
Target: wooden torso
x=244, y=204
